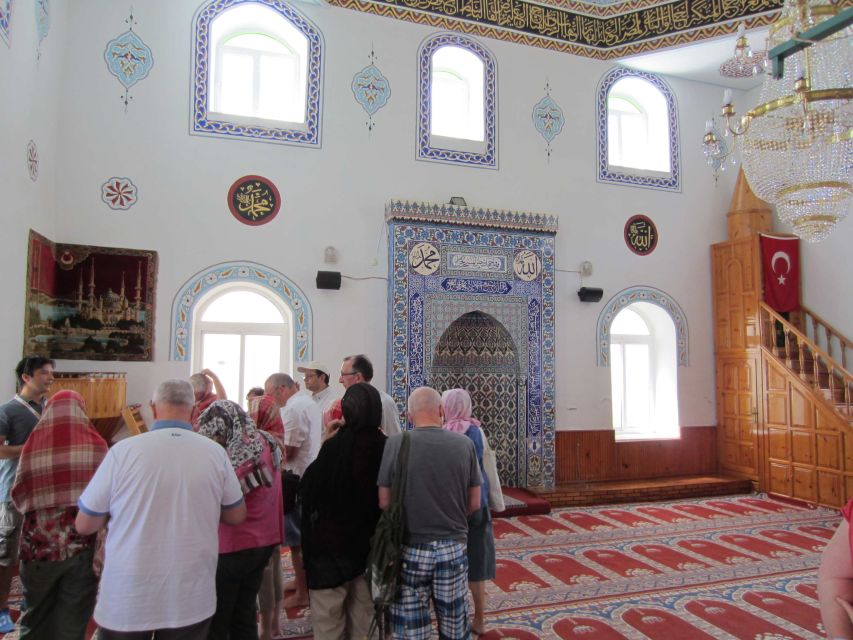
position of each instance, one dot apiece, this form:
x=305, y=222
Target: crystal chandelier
x=797, y=144
x=745, y=62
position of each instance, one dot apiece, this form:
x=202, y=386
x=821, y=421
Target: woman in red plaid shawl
x=57, y=462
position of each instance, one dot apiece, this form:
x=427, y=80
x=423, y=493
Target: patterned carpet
x=740, y=567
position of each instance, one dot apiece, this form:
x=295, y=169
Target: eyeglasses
x=350, y=373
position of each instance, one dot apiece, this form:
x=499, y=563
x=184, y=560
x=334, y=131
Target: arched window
x=457, y=94
x=457, y=101
x=243, y=334
x=637, y=130
x=643, y=368
x=260, y=65
x=257, y=71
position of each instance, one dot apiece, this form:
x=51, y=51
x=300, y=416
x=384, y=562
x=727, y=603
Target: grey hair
x=200, y=382
x=176, y=392
x=281, y=380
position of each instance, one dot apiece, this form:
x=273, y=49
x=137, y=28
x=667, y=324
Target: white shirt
x=324, y=399
x=164, y=491
x=303, y=428
x=390, y=415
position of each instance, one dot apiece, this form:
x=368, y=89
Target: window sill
x=645, y=437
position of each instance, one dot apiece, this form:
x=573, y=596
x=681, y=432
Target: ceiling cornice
x=600, y=31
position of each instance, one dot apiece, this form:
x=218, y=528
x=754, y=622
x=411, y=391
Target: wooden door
x=738, y=416
x=737, y=291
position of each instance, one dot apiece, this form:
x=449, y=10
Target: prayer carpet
x=520, y=502
x=738, y=567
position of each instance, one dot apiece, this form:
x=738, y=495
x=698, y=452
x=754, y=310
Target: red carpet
x=740, y=567
x=520, y=502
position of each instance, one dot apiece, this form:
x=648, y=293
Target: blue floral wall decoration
x=548, y=119
x=5, y=20
x=42, y=8
x=371, y=89
x=129, y=59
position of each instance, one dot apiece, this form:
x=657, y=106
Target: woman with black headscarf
x=340, y=508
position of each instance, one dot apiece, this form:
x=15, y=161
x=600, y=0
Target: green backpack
x=386, y=546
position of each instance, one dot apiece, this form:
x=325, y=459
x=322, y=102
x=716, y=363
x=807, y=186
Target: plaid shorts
x=436, y=570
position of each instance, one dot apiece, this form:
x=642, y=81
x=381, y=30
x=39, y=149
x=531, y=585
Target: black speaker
x=329, y=280
x=590, y=294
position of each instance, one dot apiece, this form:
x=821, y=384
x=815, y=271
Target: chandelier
x=797, y=144
x=745, y=62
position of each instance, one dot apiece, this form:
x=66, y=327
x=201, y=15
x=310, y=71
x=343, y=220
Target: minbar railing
x=825, y=336
x=803, y=356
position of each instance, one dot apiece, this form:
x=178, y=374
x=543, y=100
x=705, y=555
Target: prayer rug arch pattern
x=472, y=305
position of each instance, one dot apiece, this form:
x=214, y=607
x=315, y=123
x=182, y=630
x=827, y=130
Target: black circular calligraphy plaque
x=641, y=235
x=253, y=200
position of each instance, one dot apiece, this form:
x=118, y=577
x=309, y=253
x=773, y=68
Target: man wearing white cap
x=316, y=377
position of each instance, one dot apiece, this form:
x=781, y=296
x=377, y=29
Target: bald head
x=280, y=387
x=425, y=407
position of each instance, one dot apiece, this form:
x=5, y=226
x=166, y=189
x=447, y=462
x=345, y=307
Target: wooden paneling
x=809, y=454
x=737, y=412
x=587, y=456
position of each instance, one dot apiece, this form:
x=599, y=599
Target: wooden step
x=612, y=492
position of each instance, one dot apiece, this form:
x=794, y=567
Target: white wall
x=29, y=103
x=336, y=195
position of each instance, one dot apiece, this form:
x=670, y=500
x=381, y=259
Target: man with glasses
x=18, y=417
x=357, y=369
x=316, y=377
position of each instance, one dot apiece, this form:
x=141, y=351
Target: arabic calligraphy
x=527, y=265
x=254, y=200
x=424, y=258
x=476, y=262
x=619, y=30
x=468, y=285
x=641, y=235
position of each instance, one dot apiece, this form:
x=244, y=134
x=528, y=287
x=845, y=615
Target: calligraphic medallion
x=527, y=265
x=424, y=258
x=641, y=235
x=254, y=200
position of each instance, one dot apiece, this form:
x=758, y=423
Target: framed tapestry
x=89, y=303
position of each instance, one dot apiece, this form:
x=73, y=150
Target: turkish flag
x=780, y=259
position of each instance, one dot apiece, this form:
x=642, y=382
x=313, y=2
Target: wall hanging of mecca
x=89, y=303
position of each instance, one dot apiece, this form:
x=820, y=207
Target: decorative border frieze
x=201, y=122
x=453, y=214
x=641, y=294
x=189, y=294
x=426, y=151
x=672, y=182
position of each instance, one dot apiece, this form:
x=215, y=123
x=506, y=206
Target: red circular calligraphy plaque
x=254, y=200
x=641, y=235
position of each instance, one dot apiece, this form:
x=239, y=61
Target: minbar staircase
x=814, y=351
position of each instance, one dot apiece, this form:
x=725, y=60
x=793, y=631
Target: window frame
x=200, y=327
x=620, y=340
x=216, y=93
x=204, y=121
x=459, y=151
x=627, y=176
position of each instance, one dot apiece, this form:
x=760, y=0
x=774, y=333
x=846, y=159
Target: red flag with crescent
x=780, y=258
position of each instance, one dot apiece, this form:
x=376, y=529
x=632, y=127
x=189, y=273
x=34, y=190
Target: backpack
x=386, y=546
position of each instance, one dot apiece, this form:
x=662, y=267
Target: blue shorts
x=293, y=527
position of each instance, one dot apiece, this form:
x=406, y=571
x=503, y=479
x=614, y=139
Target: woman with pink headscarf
x=456, y=404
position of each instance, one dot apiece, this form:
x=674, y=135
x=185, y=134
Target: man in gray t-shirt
x=442, y=488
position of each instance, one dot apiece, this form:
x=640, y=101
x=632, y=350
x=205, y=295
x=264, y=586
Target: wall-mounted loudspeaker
x=590, y=294
x=328, y=279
